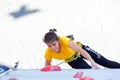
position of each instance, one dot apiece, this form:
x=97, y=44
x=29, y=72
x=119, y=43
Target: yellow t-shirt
x=65, y=53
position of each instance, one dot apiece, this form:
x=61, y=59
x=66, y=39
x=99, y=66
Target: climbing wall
x=23, y=24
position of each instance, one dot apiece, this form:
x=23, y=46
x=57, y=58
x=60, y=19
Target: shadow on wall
x=23, y=12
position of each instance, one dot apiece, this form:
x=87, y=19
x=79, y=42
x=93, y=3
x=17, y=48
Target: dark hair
x=50, y=36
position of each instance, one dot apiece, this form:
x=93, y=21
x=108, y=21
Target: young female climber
x=63, y=48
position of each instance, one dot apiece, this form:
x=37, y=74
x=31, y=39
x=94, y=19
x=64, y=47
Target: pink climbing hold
x=50, y=68
x=12, y=79
x=79, y=76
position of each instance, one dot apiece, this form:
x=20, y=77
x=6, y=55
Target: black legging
x=100, y=59
x=80, y=63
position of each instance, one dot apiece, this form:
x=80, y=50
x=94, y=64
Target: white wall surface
x=93, y=22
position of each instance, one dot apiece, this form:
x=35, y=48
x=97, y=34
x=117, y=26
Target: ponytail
x=52, y=30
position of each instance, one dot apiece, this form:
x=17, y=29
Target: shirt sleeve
x=64, y=41
x=47, y=55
